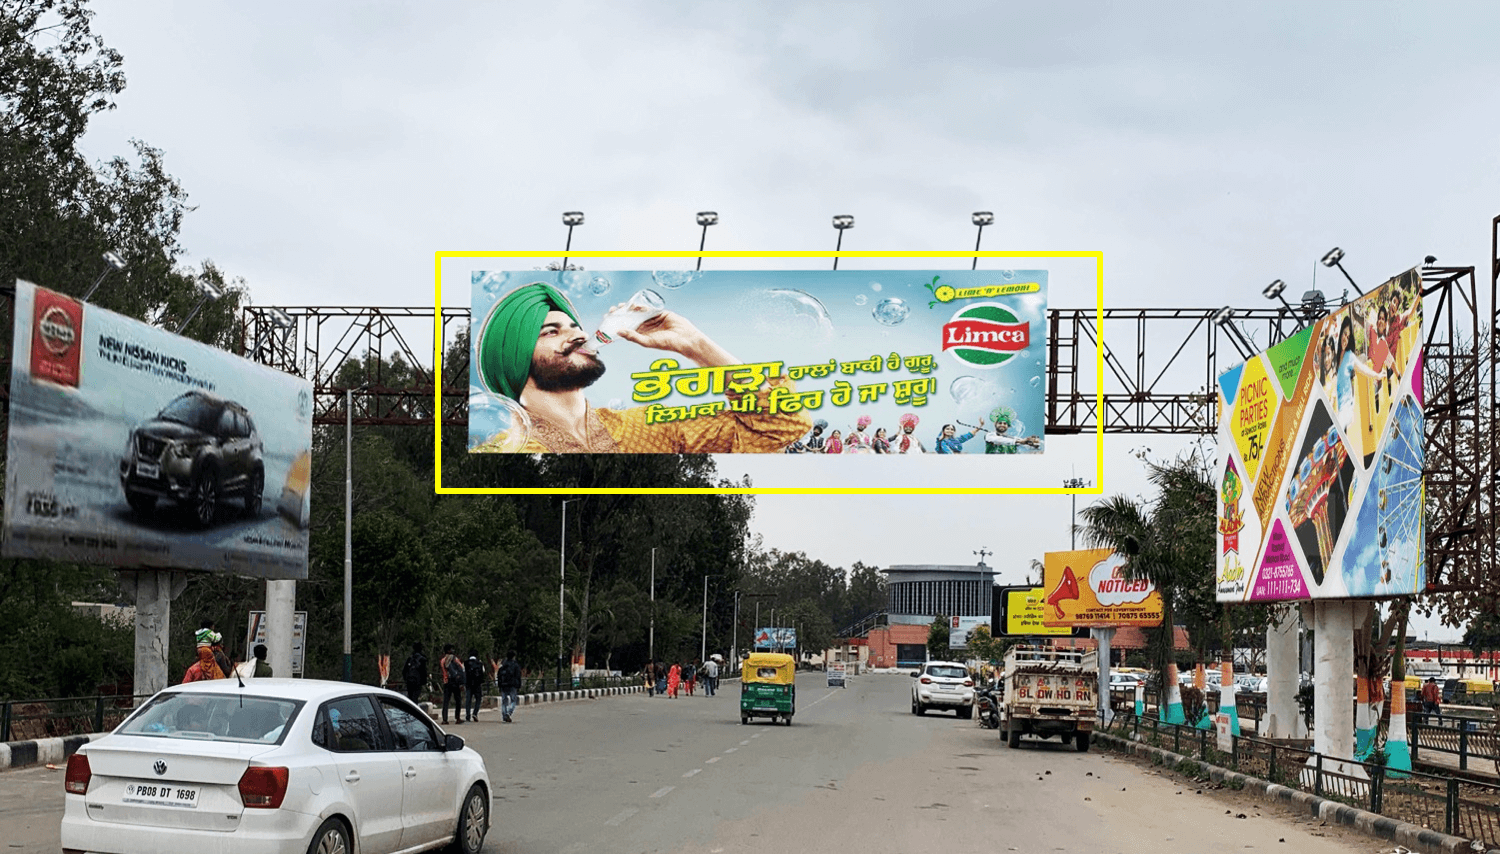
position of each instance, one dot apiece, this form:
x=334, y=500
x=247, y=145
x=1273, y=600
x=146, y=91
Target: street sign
x=257, y=634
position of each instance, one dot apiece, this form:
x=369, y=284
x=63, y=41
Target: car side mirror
x=914, y=674
x=452, y=743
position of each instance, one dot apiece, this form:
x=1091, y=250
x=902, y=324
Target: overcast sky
x=1204, y=148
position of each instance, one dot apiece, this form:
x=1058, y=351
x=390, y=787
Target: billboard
x=959, y=628
x=774, y=639
x=1320, y=464
x=1022, y=612
x=846, y=362
x=1088, y=587
x=131, y=446
x=257, y=634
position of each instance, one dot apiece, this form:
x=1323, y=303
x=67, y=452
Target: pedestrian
x=710, y=677
x=650, y=672
x=452, y=670
x=414, y=673
x=690, y=676
x=674, y=680
x=474, y=679
x=509, y=682
x=661, y=678
x=1432, y=698
x=206, y=667
x=262, y=667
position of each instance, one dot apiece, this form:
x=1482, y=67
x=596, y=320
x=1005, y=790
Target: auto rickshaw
x=768, y=687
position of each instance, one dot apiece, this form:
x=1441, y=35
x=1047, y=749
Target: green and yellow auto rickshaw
x=768, y=687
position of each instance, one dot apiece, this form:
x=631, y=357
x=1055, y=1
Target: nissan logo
x=160, y=767
x=56, y=330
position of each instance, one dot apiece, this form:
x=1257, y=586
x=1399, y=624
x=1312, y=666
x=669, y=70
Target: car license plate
x=765, y=708
x=162, y=795
x=151, y=470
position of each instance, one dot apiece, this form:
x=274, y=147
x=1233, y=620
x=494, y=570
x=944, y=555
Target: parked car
x=943, y=685
x=199, y=450
x=1123, y=681
x=276, y=765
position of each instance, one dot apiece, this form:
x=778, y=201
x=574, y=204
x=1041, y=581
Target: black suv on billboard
x=197, y=451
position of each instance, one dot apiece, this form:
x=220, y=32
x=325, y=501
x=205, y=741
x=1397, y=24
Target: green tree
x=937, y=639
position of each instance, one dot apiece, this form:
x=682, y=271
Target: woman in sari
x=674, y=680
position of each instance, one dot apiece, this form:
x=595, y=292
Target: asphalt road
x=855, y=772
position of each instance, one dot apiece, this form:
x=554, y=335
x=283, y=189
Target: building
x=916, y=594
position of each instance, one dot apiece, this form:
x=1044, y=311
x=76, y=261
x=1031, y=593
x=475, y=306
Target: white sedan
x=276, y=765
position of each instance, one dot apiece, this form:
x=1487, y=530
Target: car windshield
x=214, y=717
x=192, y=410
x=947, y=672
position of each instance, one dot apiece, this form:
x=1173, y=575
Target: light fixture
x=1275, y=291
x=279, y=317
x=1332, y=259
x=112, y=262
x=1224, y=318
x=705, y=219
x=209, y=290
x=1314, y=304
x=570, y=219
x=981, y=219
x=841, y=222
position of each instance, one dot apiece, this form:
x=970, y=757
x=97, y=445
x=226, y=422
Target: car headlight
x=130, y=443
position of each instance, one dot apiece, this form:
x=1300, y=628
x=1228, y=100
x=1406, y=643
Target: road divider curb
x=1411, y=836
x=23, y=754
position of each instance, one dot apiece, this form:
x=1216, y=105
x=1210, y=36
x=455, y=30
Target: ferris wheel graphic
x=1396, y=485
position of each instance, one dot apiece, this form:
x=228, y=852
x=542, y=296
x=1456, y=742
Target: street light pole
x=703, y=644
x=562, y=564
x=651, y=644
x=348, y=535
x=1075, y=483
x=734, y=643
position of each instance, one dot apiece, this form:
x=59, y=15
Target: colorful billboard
x=130, y=446
x=1089, y=587
x=960, y=627
x=1023, y=611
x=1320, y=472
x=775, y=639
x=844, y=362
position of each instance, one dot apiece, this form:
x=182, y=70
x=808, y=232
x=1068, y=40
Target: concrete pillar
x=281, y=603
x=1333, y=690
x=1103, y=637
x=152, y=592
x=1283, y=718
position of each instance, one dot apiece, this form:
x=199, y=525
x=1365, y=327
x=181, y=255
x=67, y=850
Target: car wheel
x=203, y=500
x=255, y=493
x=1012, y=738
x=921, y=709
x=141, y=503
x=332, y=838
x=473, y=822
x=1081, y=741
x=967, y=713
x=913, y=705
x=744, y=720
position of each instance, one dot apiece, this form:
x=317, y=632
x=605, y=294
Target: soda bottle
x=644, y=304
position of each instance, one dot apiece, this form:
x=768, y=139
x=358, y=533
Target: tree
x=937, y=639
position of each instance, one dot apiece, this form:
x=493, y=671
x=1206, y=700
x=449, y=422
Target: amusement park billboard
x=1089, y=587
x=848, y=362
x=130, y=446
x=1320, y=486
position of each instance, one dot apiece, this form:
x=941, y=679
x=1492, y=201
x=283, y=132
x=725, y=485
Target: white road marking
x=757, y=735
x=731, y=750
x=692, y=772
x=620, y=819
x=746, y=741
x=662, y=792
x=713, y=760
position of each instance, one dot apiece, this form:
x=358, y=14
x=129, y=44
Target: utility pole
x=703, y=644
x=651, y=644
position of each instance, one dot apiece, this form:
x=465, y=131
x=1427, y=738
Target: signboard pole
x=152, y=591
x=1282, y=679
x=281, y=603
x=1103, y=635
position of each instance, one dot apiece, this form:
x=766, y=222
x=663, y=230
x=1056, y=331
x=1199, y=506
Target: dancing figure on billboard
x=1308, y=496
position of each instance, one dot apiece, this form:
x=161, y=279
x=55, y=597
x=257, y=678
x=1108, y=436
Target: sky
x=1204, y=148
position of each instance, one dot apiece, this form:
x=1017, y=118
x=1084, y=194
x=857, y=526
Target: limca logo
x=985, y=335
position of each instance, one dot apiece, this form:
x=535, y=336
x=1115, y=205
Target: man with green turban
x=998, y=442
x=532, y=350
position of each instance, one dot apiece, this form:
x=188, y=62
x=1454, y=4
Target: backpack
x=510, y=675
x=415, y=671
x=474, y=672
x=455, y=670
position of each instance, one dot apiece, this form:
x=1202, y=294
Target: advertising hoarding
x=1088, y=587
x=130, y=446
x=752, y=361
x=773, y=639
x=1023, y=611
x=959, y=628
x=1320, y=464
x=257, y=634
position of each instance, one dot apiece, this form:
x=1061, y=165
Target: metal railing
x=1459, y=807
x=24, y=720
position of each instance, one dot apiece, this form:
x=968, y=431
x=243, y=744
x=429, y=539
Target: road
x=856, y=771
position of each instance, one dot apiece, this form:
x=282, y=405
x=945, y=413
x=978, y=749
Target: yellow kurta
x=626, y=430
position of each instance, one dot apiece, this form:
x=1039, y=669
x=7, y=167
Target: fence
x=23, y=720
x=1457, y=807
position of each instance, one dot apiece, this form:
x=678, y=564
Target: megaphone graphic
x=1067, y=588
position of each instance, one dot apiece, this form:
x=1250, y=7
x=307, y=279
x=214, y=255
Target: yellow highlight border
x=437, y=348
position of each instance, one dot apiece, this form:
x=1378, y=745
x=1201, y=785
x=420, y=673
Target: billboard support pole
x=1103, y=635
x=1282, y=679
x=281, y=606
x=152, y=592
x=1333, y=643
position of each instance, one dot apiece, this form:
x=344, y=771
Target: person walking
x=262, y=667
x=452, y=670
x=674, y=680
x=414, y=673
x=710, y=677
x=474, y=679
x=649, y=674
x=661, y=678
x=690, y=676
x=1432, y=698
x=509, y=682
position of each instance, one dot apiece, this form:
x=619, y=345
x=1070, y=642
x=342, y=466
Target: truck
x=1049, y=692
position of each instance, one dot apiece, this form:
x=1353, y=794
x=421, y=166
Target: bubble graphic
x=973, y=397
x=1007, y=274
x=875, y=286
x=615, y=403
x=490, y=282
x=860, y=299
x=599, y=286
x=498, y=422
x=1036, y=382
x=574, y=280
x=789, y=313
x=673, y=279
x=891, y=311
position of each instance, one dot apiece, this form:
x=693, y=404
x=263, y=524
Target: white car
x=1123, y=681
x=288, y=765
x=943, y=685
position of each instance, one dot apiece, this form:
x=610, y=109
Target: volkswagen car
x=199, y=450
x=288, y=765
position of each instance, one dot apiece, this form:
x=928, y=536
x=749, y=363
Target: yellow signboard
x=1024, y=614
x=1089, y=588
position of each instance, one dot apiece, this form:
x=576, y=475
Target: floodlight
x=982, y=218
x=279, y=317
x=208, y=289
x=707, y=218
x=1334, y=256
x=843, y=221
x=572, y=218
x=1273, y=290
x=114, y=260
x=1224, y=318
